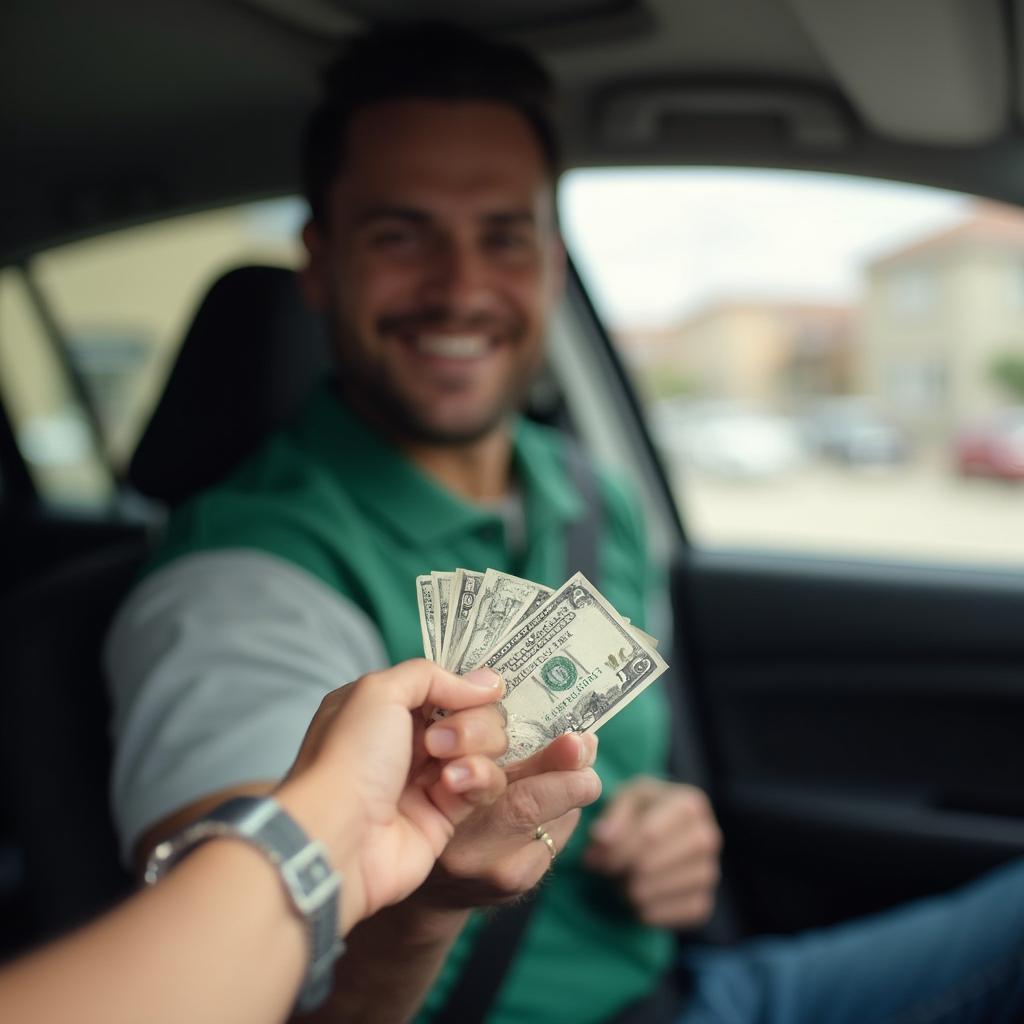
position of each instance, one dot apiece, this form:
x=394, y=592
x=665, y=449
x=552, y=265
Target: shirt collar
x=383, y=480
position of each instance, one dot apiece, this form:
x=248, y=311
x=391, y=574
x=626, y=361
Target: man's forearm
x=389, y=965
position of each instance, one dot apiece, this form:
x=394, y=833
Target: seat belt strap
x=476, y=988
x=581, y=535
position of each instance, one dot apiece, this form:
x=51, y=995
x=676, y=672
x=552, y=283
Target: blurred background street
x=920, y=511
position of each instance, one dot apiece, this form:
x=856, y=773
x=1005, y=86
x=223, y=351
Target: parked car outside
x=726, y=439
x=850, y=430
x=994, y=447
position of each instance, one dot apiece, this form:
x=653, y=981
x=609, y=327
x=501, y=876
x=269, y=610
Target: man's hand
x=492, y=858
x=494, y=855
x=383, y=787
x=662, y=839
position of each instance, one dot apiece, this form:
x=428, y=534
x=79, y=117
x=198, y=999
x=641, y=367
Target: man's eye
x=394, y=237
x=509, y=241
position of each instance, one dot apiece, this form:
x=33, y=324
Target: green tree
x=1007, y=370
x=666, y=382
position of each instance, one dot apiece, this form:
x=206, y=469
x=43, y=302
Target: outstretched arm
x=365, y=784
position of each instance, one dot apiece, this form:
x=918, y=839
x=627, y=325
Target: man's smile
x=453, y=346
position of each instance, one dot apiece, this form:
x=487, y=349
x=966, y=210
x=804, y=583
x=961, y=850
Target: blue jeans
x=958, y=957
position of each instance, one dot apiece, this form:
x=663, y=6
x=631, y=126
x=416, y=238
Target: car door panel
x=863, y=723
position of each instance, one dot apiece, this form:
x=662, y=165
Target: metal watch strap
x=311, y=883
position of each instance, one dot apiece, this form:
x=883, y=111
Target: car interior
x=855, y=719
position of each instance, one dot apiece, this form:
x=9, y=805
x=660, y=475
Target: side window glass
x=124, y=300
x=829, y=365
x=49, y=424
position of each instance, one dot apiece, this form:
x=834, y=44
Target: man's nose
x=459, y=278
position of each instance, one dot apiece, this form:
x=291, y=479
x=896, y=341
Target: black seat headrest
x=254, y=352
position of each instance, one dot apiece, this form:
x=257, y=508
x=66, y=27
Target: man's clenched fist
x=662, y=839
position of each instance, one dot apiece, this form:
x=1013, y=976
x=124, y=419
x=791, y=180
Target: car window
x=827, y=364
x=50, y=425
x=124, y=300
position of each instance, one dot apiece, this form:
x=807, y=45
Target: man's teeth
x=452, y=346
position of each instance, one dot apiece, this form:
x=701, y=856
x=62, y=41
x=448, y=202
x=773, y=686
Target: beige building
x=936, y=314
x=763, y=353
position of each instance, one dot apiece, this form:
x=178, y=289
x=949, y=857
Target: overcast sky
x=654, y=245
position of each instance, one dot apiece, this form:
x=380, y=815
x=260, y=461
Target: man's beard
x=368, y=387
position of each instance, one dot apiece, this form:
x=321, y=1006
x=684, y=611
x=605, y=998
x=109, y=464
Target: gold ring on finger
x=542, y=835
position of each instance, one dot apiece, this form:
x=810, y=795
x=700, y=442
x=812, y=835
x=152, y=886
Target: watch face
x=311, y=878
x=313, y=874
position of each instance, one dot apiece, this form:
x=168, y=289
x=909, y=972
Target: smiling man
x=439, y=261
x=435, y=256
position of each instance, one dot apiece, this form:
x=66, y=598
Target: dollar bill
x=455, y=581
x=571, y=666
x=501, y=602
x=425, y=599
x=443, y=583
x=465, y=585
x=542, y=595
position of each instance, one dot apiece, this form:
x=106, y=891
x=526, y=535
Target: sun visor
x=926, y=71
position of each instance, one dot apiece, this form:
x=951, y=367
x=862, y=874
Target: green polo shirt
x=333, y=498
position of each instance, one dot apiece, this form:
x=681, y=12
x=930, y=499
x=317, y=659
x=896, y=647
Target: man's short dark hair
x=421, y=61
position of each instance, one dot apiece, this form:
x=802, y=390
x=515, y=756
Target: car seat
x=54, y=752
x=252, y=354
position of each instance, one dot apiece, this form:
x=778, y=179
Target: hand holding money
x=570, y=662
x=494, y=856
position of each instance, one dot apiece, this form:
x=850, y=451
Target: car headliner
x=116, y=111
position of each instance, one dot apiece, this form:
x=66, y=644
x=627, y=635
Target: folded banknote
x=569, y=660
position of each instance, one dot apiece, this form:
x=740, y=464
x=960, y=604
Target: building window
x=917, y=385
x=912, y=292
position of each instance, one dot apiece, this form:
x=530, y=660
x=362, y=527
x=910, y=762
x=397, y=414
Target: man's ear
x=313, y=276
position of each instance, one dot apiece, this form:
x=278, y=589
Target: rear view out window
x=123, y=301
x=50, y=425
x=828, y=364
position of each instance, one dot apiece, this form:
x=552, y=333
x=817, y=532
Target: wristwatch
x=313, y=886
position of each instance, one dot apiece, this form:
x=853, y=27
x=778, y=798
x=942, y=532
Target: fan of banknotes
x=569, y=660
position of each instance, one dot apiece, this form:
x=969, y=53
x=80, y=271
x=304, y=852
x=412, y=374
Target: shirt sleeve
x=216, y=663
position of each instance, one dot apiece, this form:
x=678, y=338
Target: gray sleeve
x=215, y=664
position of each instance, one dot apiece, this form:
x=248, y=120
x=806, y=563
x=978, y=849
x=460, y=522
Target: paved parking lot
x=918, y=511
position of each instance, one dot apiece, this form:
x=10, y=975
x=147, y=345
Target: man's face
x=438, y=264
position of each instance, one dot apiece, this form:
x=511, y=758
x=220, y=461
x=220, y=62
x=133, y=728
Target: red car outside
x=994, y=448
